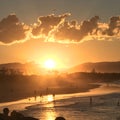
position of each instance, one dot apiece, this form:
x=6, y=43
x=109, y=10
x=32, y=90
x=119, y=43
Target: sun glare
x=49, y=64
x=50, y=98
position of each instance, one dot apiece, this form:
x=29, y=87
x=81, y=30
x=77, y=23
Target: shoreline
x=57, y=91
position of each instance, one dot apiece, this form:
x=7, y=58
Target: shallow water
x=72, y=106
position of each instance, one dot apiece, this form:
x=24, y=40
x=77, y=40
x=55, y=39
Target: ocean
x=101, y=103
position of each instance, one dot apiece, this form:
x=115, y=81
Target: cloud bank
x=58, y=29
x=11, y=29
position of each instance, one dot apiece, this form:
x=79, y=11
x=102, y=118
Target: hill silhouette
x=32, y=68
x=26, y=68
x=104, y=67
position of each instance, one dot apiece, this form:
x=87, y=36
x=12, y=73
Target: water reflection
x=50, y=98
x=47, y=103
x=50, y=115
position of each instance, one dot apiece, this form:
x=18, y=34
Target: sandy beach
x=74, y=106
x=17, y=95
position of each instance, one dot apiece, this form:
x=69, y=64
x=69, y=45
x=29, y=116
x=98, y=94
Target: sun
x=49, y=64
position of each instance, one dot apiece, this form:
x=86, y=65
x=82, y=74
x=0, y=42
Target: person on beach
x=4, y=115
x=16, y=115
x=118, y=103
x=91, y=101
x=59, y=118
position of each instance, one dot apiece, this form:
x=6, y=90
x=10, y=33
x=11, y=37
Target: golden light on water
x=50, y=98
x=50, y=115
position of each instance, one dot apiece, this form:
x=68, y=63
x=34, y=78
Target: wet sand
x=7, y=97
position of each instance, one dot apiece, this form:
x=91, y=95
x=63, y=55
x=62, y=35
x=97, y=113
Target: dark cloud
x=11, y=29
x=47, y=23
x=114, y=24
x=89, y=26
x=57, y=28
x=68, y=32
x=72, y=31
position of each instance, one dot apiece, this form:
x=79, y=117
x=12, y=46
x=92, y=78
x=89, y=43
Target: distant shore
x=64, y=90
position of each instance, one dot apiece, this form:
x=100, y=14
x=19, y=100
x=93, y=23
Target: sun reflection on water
x=50, y=115
x=50, y=98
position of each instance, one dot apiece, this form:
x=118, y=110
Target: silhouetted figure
x=5, y=116
x=16, y=115
x=91, y=101
x=1, y=116
x=53, y=95
x=35, y=94
x=13, y=115
x=29, y=118
x=59, y=118
x=41, y=95
x=118, y=103
x=6, y=111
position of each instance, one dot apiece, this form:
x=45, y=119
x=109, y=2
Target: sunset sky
x=68, y=31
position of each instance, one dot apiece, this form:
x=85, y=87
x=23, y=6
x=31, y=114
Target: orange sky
x=65, y=55
x=68, y=37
